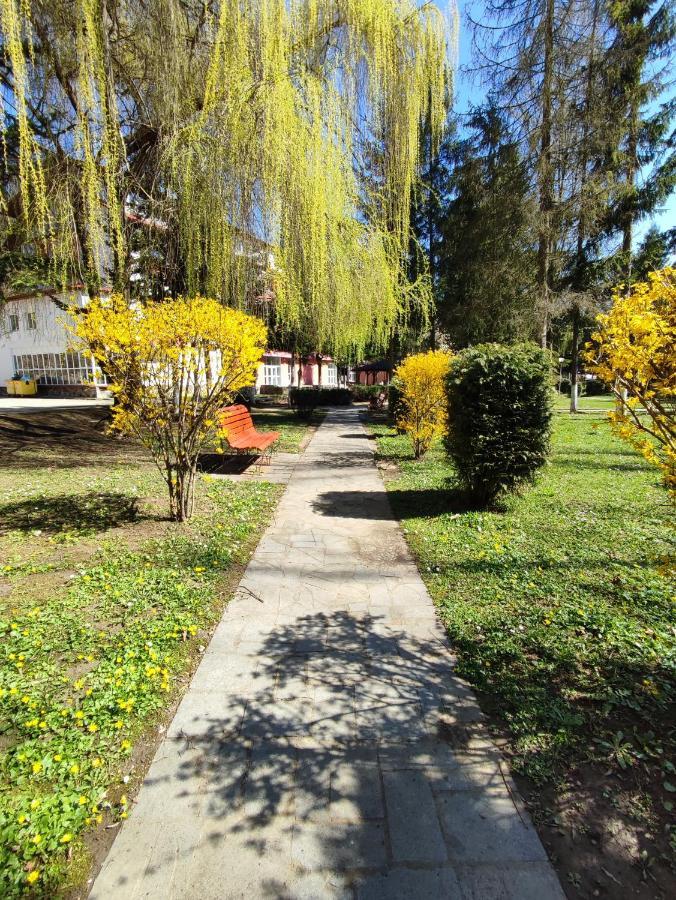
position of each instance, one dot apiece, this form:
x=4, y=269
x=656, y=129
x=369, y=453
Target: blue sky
x=469, y=92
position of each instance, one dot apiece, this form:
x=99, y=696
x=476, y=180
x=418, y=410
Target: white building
x=35, y=341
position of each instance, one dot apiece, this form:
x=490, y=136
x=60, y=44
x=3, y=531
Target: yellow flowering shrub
x=172, y=365
x=423, y=408
x=634, y=351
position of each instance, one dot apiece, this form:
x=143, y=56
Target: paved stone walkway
x=325, y=748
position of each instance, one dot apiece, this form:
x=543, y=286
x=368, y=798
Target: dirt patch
x=46, y=434
x=602, y=835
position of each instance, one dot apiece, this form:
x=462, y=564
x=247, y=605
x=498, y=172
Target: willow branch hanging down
x=276, y=141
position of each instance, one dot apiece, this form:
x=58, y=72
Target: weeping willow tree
x=264, y=152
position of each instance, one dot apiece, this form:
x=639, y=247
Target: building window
x=31, y=323
x=332, y=375
x=59, y=368
x=272, y=371
x=13, y=323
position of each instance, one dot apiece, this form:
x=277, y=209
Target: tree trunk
x=182, y=492
x=545, y=173
x=432, y=254
x=632, y=168
x=574, y=363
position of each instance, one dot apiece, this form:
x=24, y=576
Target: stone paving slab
x=325, y=747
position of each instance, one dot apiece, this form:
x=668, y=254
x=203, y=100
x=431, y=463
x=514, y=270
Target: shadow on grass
x=226, y=463
x=413, y=504
x=69, y=512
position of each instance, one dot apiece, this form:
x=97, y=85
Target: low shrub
x=305, y=400
x=246, y=396
x=564, y=386
x=422, y=408
x=272, y=390
x=595, y=388
x=499, y=417
x=365, y=392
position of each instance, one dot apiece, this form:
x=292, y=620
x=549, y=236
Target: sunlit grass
x=560, y=605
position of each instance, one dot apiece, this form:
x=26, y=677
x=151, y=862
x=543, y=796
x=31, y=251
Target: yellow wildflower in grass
x=37, y=767
x=125, y=745
x=66, y=838
x=33, y=876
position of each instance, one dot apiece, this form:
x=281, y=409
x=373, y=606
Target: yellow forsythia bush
x=172, y=364
x=423, y=408
x=634, y=351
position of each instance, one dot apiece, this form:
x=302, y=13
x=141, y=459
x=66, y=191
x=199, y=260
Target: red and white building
x=35, y=341
x=281, y=369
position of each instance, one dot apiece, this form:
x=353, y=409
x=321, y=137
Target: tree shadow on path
x=353, y=764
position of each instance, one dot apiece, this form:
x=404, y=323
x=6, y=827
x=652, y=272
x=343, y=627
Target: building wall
x=286, y=373
x=371, y=377
x=50, y=334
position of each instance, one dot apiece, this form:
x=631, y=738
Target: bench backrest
x=236, y=420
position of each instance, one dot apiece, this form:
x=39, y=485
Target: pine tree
x=644, y=33
x=488, y=252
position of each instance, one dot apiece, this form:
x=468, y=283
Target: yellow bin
x=21, y=388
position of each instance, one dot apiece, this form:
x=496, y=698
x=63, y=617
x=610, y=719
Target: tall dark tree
x=428, y=221
x=488, y=256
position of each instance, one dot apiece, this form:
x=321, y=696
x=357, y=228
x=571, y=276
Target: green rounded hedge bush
x=596, y=388
x=499, y=417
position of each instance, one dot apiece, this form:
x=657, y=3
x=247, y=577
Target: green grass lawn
x=585, y=404
x=103, y=606
x=293, y=430
x=560, y=605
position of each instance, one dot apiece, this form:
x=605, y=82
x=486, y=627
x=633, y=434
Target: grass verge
x=294, y=431
x=561, y=609
x=103, y=608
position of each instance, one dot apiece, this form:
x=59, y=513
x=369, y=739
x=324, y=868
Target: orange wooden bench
x=240, y=433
